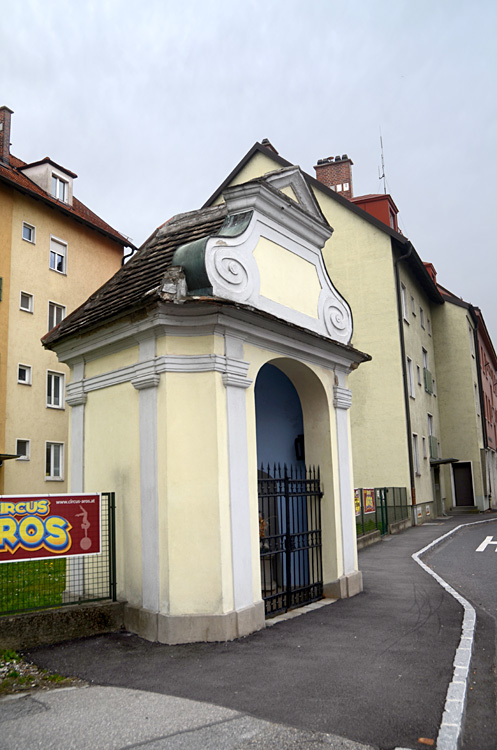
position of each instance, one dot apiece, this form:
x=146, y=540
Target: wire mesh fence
x=54, y=582
x=376, y=508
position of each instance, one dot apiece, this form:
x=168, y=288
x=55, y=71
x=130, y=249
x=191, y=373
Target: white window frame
x=52, y=376
x=415, y=451
x=339, y=188
x=430, y=424
x=346, y=186
x=26, y=456
x=55, y=251
x=418, y=370
x=425, y=358
x=60, y=188
x=403, y=295
x=55, y=307
x=31, y=298
x=28, y=370
x=410, y=378
x=421, y=317
x=413, y=306
x=50, y=462
x=32, y=231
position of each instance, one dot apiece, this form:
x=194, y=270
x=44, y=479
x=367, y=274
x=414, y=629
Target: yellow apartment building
x=54, y=251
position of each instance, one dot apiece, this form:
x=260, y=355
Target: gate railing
x=290, y=536
x=55, y=582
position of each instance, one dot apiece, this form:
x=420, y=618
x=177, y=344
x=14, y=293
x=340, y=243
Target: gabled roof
x=11, y=174
x=138, y=282
x=401, y=243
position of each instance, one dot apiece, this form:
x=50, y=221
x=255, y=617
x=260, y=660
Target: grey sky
x=153, y=103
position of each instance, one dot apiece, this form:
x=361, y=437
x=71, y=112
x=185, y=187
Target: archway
x=289, y=493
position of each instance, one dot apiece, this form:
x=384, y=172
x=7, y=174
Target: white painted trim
x=449, y=734
x=241, y=543
x=146, y=383
x=342, y=400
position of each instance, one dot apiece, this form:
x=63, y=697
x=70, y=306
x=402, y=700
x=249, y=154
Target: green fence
x=378, y=507
x=54, y=582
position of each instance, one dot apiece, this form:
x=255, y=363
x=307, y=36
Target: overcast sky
x=153, y=103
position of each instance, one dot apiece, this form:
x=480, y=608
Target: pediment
x=291, y=182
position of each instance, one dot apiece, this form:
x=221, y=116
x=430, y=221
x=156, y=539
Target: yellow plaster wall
x=377, y=415
x=302, y=288
x=91, y=260
x=416, y=338
x=256, y=167
x=194, y=491
x=189, y=344
x=110, y=362
x=6, y=204
x=460, y=415
x=112, y=463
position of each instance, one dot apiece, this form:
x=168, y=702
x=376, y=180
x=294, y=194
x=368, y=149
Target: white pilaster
x=146, y=382
x=342, y=401
x=236, y=382
x=76, y=399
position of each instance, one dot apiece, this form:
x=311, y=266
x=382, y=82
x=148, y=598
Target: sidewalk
x=374, y=669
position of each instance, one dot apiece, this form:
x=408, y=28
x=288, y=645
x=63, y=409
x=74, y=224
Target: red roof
x=9, y=173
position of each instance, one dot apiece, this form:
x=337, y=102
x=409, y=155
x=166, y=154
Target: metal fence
x=290, y=537
x=376, y=508
x=55, y=582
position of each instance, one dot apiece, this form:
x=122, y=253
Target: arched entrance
x=289, y=497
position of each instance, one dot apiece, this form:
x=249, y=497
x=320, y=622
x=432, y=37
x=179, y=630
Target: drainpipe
x=404, y=371
x=483, y=463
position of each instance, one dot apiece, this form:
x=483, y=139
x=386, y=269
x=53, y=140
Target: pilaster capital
x=75, y=394
x=342, y=397
x=145, y=376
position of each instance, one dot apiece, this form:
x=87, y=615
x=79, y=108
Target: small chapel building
x=209, y=392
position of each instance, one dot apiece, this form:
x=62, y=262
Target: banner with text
x=34, y=527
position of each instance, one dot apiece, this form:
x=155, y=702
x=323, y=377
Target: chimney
x=336, y=173
x=5, y=114
x=431, y=270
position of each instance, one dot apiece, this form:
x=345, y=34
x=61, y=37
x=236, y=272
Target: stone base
x=344, y=587
x=173, y=629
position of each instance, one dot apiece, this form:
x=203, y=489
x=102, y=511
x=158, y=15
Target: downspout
x=482, y=403
x=404, y=370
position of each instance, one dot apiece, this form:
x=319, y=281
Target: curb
x=449, y=734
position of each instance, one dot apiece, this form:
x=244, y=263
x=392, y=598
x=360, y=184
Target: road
x=467, y=560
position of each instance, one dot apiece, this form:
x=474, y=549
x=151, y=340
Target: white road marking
x=483, y=546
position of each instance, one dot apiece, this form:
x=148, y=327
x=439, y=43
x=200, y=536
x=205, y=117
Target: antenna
x=382, y=176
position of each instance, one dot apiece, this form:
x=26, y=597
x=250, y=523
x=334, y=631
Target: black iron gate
x=290, y=536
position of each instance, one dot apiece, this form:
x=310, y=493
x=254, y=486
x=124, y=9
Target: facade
x=485, y=352
x=53, y=252
x=193, y=352
x=395, y=416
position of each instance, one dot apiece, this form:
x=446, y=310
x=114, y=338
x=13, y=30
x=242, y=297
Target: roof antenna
x=382, y=176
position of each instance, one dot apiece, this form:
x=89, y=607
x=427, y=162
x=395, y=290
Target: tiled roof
x=10, y=173
x=133, y=286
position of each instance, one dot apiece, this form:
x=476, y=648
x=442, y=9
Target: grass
x=32, y=584
x=18, y=675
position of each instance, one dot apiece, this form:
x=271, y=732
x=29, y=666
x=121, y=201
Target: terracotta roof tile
x=10, y=173
x=130, y=288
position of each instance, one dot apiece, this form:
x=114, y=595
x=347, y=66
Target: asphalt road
x=374, y=669
x=474, y=575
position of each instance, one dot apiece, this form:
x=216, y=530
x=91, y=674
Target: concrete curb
x=449, y=734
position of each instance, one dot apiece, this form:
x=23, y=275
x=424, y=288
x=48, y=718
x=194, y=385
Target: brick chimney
x=336, y=173
x=5, y=114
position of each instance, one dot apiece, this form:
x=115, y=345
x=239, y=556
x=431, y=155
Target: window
x=58, y=255
x=24, y=374
x=59, y=188
x=54, y=461
x=428, y=326
x=26, y=302
x=55, y=390
x=425, y=358
x=346, y=186
x=413, y=306
x=339, y=188
x=421, y=317
x=410, y=378
x=28, y=232
x=471, y=340
x=425, y=454
x=23, y=450
x=430, y=425
x=56, y=313
x=403, y=294
x=415, y=449
x=477, y=400
x=418, y=370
